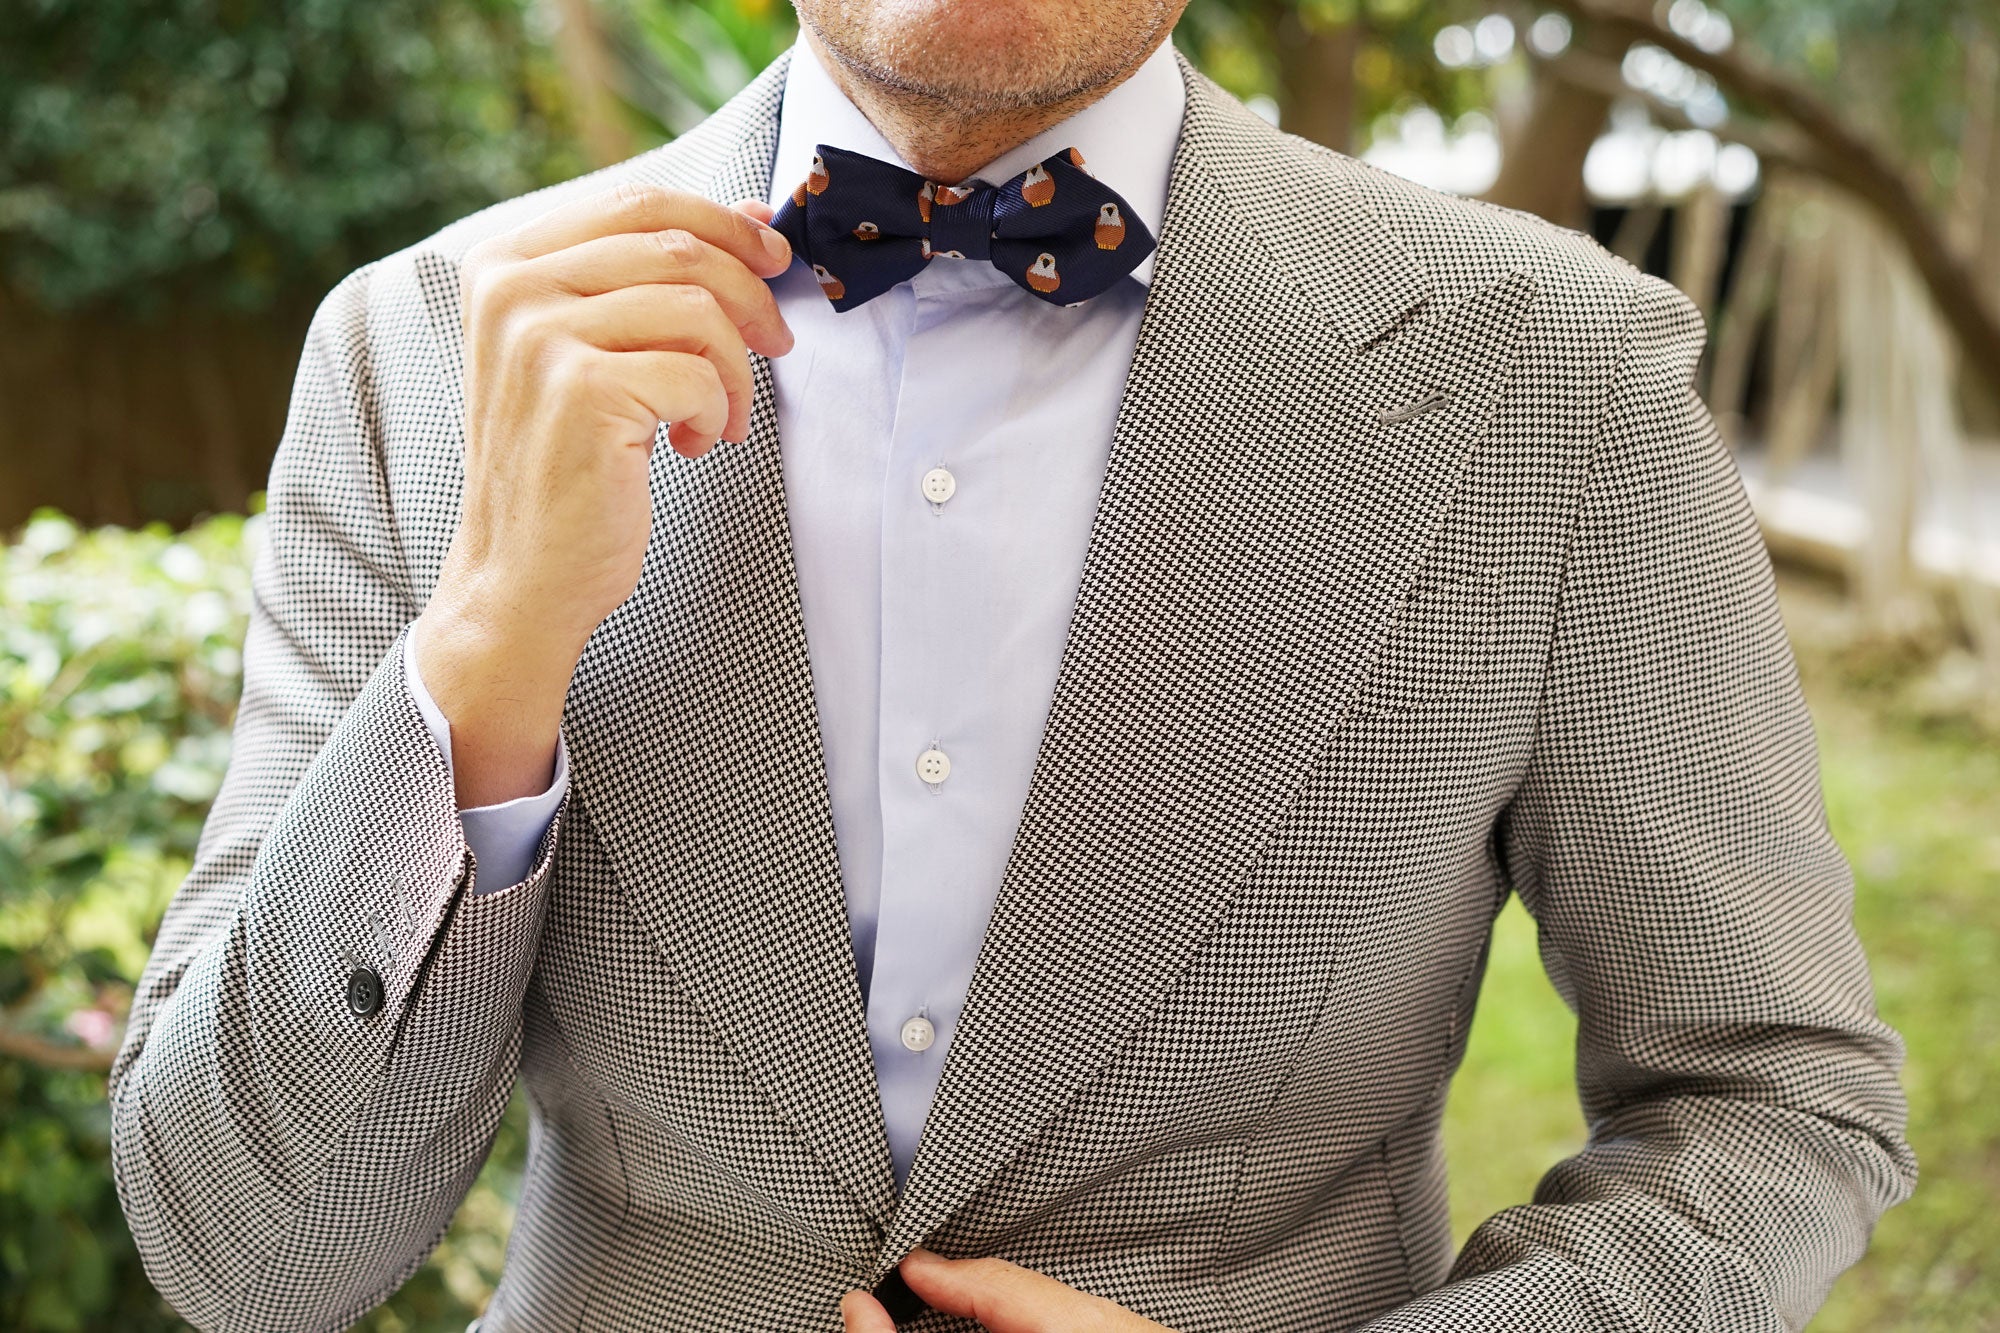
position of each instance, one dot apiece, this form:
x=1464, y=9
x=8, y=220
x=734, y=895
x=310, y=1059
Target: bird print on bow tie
x=1109, y=233
x=1037, y=186
x=864, y=225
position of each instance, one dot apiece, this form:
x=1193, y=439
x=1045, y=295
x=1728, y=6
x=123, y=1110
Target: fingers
x=755, y=208
x=629, y=259
x=634, y=207
x=675, y=319
x=862, y=1313
x=642, y=389
x=1002, y=1297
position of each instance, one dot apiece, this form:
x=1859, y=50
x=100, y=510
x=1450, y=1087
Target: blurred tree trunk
x=1875, y=429
x=1315, y=64
x=1701, y=233
x=1976, y=207
x=1805, y=331
x=1542, y=151
x=1752, y=294
x=1316, y=81
x=592, y=70
x=1636, y=231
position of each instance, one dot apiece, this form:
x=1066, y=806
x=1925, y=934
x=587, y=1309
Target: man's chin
x=979, y=55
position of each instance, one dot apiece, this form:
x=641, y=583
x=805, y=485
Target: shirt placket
x=935, y=600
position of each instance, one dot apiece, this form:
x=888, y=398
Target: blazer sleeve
x=1745, y=1120
x=285, y=1154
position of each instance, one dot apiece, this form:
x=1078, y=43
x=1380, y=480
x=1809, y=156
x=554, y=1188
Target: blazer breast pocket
x=1437, y=644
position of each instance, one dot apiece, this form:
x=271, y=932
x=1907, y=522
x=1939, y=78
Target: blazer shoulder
x=691, y=161
x=1329, y=212
x=1465, y=243
x=1593, y=308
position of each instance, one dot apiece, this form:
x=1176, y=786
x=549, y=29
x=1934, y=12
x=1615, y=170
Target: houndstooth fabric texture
x=1335, y=684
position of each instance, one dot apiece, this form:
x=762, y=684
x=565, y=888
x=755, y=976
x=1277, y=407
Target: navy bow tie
x=865, y=225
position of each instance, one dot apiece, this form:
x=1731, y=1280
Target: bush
x=119, y=667
x=120, y=663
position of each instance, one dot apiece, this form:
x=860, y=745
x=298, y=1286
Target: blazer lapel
x=1258, y=522
x=697, y=751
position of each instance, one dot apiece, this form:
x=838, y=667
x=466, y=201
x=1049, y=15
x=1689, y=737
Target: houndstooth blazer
x=1419, y=575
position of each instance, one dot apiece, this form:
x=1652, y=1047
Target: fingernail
x=777, y=246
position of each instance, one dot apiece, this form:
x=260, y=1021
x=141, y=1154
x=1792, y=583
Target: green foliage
x=1896, y=69
x=66, y=1260
x=1234, y=42
x=120, y=660
x=226, y=152
x=685, y=58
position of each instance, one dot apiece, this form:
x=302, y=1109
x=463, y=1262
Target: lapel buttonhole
x=1430, y=402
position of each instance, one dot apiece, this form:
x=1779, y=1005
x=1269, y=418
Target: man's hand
x=585, y=328
x=1003, y=1297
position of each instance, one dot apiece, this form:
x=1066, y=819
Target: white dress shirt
x=942, y=448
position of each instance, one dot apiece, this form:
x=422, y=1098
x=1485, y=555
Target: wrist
x=501, y=690
x=466, y=633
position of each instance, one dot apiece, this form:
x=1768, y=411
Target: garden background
x=182, y=180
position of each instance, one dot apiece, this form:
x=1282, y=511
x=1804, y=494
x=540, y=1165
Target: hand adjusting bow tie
x=865, y=225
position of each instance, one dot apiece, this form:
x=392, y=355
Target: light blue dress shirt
x=942, y=448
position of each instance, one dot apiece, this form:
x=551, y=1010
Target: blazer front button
x=902, y=1304
x=364, y=991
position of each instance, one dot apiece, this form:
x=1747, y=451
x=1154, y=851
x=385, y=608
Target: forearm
x=504, y=839
x=264, y=1126
x=1685, y=1212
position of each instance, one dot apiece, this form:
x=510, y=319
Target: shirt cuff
x=505, y=837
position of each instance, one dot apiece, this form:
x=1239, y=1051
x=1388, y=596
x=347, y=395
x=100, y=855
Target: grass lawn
x=1917, y=809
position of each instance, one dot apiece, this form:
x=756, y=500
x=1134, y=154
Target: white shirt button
x=918, y=1034
x=939, y=485
x=933, y=766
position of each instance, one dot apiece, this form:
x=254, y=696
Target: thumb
x=862, y=1313
x=755, y=208
x=1002, y=1297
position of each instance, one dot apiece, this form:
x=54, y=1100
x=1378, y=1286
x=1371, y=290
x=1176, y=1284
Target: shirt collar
x=1127, y=137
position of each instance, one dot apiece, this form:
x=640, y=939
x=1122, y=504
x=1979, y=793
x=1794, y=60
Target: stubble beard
x=932, y=59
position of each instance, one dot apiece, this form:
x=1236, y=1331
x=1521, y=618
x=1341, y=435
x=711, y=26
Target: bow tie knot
x=961, y=224
x=865, y=225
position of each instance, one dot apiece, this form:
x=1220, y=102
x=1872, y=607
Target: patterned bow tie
x=865, y=225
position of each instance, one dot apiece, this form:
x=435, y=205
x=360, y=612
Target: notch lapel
x=696, y=748
x=1258, y=522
